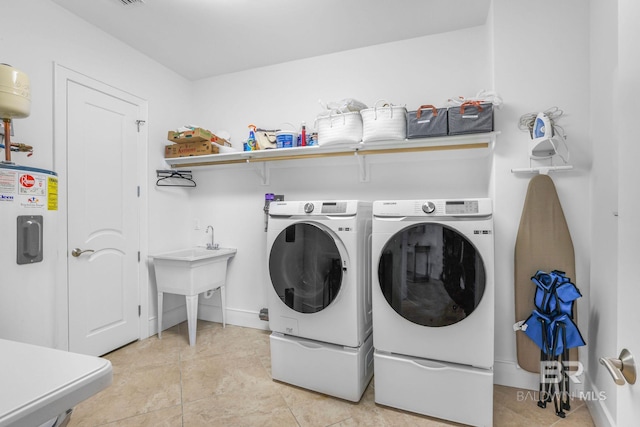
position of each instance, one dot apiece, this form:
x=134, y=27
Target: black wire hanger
x=163, y=175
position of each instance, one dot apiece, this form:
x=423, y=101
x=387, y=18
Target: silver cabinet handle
x=77, y=252
x=621, y=369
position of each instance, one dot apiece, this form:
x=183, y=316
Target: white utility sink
x=190, y=272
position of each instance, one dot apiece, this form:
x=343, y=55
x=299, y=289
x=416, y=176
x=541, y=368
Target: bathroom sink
x=190, y=272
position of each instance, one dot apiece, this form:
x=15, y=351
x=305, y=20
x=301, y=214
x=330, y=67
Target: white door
x=628, y=396
x=103, y=219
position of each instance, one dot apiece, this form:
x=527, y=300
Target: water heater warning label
x=52, y=193
x=7, y=182
x=29, y=189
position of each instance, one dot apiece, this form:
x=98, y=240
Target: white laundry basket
x=339, y=128
x=384, y=121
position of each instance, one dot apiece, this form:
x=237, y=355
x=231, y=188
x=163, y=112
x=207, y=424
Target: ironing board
x=543, y=243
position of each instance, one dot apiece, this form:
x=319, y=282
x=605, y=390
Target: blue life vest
x=551, y=324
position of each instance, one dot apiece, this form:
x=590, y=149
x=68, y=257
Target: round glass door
x=305, y=266
x=431, y=275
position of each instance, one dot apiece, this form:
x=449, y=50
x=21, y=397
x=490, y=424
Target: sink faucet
x=211, y=245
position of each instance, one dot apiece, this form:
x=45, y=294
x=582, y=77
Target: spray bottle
x=251, y=144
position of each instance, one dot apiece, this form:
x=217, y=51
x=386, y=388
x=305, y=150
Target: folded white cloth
x=346, y=105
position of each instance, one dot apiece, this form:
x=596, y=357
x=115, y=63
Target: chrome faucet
x=211, y=245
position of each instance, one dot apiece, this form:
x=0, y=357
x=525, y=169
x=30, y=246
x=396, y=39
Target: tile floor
x=225, y=381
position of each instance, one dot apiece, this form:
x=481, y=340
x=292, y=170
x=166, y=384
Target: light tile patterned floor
x=225, y=381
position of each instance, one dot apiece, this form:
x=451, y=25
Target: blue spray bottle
x=251, y=144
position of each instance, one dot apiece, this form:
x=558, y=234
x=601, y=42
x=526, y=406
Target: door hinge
x=138, y=256
x=139, y=311
x=140, y=123
x=138, y=191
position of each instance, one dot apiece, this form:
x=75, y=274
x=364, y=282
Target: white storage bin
x=339, y=128
x=386, y=122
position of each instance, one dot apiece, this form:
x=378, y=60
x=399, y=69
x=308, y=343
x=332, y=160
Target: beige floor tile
x=149, y=352
x=520, y=407
x=208, y=376
x=196, y=416
x=380, y=416
x=578, y=417
x=214, y=341
x=238, y=407
x=321, y=412
x=133, y=392
x=225, y=380
x=169, y=417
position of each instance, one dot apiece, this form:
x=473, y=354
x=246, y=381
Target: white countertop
x=39, y=383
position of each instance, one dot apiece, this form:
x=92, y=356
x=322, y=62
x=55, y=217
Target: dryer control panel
x=462, y=208
x=458, y=207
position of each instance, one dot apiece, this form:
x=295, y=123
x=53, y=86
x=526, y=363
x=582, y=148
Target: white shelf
x=483, y=141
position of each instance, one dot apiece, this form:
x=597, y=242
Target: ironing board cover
x=543, y=243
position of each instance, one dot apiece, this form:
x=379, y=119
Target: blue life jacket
x=551, y=324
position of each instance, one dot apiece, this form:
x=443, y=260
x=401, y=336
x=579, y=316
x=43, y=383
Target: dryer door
x=305, y=265
x=431, y=274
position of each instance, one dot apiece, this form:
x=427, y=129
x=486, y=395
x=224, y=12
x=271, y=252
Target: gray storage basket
x=427, y=121
x=471, y=117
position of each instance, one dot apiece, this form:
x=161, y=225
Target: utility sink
x=190, y=272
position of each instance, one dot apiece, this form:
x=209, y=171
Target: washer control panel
x=461, y=207
x=313, y=208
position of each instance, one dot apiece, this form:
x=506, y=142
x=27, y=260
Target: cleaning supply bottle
x=303, y=135
x=251, y=144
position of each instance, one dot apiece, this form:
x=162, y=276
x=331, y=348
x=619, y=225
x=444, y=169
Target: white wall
x=537, y=67
x=500, y=55
x=37, y=33
x=602, y=338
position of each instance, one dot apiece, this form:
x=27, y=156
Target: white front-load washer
x=319, y=295
x=433, y=307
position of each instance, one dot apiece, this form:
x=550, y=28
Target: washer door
x=305, y=265
x=431, y=274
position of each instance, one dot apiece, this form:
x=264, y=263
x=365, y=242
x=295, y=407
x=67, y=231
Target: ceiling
x=204, y=38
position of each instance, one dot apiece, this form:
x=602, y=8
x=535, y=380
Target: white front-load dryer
x=433, y=307
x=319, y=295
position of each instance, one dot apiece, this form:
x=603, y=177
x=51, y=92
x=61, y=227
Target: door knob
x=77, y=252
x=621, y=369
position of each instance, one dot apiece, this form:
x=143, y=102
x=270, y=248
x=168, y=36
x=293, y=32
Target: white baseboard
x=235, y=316
x=597, y=407
x=511, y=375
x=170, y=318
